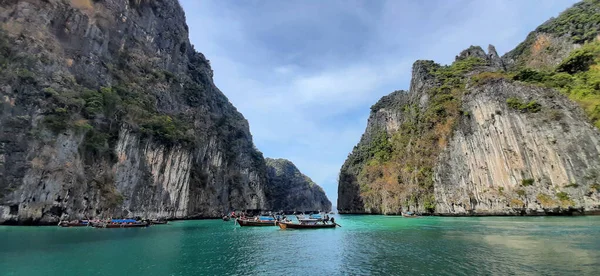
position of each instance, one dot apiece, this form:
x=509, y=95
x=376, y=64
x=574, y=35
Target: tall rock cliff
x=487, y=135
x=288, y=189
x=107, y=110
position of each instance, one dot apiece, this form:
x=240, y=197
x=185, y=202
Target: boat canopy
x=123, y=220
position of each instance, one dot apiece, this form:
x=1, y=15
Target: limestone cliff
x=288, y=189
x=107, y=110
x=552, y=41
x=485, y=136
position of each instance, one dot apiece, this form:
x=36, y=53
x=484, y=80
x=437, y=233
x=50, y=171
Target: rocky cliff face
x=485, y=136
x=502, y=160
x=288, y=189
x=552, y=41
x=107, y=110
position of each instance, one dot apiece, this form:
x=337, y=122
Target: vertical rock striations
x=288, y=189
x=472, y=138
x=107, y=110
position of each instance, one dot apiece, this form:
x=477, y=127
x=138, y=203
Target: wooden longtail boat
x=122, y=225
x=73, y=224
x=409, y=215
x=250, y=222
x=158, y=222
x=292, y=225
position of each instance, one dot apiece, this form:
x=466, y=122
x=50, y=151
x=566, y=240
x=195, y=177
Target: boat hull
x=289, y=225
x=243, y=222
x=122, y=225
x=73, y=225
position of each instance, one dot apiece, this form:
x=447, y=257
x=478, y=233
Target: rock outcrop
x=288, y=189
x=107, y=110
x=474, y=139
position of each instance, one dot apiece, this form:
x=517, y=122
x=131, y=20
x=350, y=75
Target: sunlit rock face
x=478, y=138
x=503, y=161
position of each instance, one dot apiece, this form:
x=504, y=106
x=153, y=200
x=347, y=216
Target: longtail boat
x=409, y=215
x=122, y=223
x=82, y=223
x=157, y=221
x=293, y=225
x=252, y=222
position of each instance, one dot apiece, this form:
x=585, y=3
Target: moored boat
x=409, y=215
x=256, y=222
x=293, y=225
x=157, y=221
x=122, y=223
x=309, y=220
x=77, y=223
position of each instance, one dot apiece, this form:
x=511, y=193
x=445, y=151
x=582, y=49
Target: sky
x=305, y=72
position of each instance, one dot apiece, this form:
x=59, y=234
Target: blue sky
x=304, y=73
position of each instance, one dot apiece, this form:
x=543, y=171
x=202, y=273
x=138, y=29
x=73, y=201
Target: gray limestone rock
x=288, y=189
x=106, y=110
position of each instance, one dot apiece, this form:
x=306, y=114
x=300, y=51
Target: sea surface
x=364, y=245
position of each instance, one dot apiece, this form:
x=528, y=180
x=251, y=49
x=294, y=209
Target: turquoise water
x=365, y=245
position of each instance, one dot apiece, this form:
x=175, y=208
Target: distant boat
x=256, y=222
x=133, y=225
x=226, y=218
x=78, y=223
x=301, y=225
x=158, y=221
x=409, y=215
x=122, y=223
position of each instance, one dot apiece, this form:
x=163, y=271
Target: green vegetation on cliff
x=516, y=103
x=577, y=76
x=578, y=24
x=98, y=113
